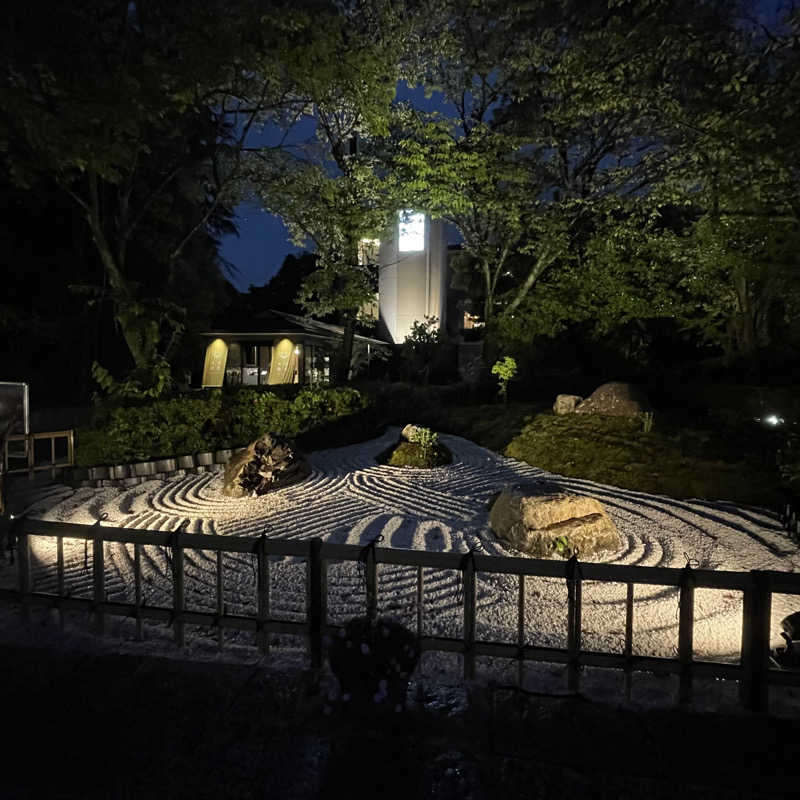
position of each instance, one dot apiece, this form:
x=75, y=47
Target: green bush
x=208, y=421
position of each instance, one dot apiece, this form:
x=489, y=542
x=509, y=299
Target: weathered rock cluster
x=269, y=463
x=615, y=399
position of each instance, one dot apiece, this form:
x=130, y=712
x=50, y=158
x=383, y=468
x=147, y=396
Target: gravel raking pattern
x=350, y=498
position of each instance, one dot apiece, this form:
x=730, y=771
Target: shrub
x=425, y=438
x=505, y=371
x=208, y=421
x=374, y=662
x=426, y=354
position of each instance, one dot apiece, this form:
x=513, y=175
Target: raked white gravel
x=350, y=498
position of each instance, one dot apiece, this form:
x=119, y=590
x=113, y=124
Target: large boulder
x=544, y=524
x=269, y=463
x=566, y=403
x=616, y=399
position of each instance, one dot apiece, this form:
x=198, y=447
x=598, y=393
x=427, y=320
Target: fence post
x=177, y=587
x=137, y=587
x=628, y=640
x=220, y=602
x=371, y=578
x=574, y=598
x=99, y=579
x=263, y=593
x=521, y=631
x=24, y=573
x=29, y=440
x=468, y=576
x=756, y=620
x=315, y=607
x=686, y=633
x=60, y=579
x=420, y=590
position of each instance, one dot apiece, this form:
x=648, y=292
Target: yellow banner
x=214, y=368
x=284, y=363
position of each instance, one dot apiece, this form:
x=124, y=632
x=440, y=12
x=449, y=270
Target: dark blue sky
x=263, y=241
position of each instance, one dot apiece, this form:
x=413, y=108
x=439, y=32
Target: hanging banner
x=281, y=369
x=214, y=367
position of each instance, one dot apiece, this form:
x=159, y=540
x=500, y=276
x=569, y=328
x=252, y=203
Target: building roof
x=278, y=323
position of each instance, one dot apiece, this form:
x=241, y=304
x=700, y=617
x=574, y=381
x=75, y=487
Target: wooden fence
x=28, y=453
x=755, y=672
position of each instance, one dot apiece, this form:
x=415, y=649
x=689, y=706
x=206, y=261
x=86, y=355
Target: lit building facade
x=412, y=280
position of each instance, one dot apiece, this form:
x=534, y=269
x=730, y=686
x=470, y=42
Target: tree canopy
x=603, y=162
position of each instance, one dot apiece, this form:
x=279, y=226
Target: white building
x=412, y=282
x=281, y=348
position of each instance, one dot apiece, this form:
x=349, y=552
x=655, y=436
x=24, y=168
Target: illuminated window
x=317, y=363
x=412, y=232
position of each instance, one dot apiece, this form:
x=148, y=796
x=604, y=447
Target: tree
x=146, y=143
x=282, y=290
x=741, y=276
x=565, y=129
x=541, y=136
x=734, y=126
x=331, y=192
x=480, y=181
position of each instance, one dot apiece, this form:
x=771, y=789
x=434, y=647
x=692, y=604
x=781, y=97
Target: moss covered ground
x=672, y=459
x=411, y=454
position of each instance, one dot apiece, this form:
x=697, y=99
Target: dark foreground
x=84, y=725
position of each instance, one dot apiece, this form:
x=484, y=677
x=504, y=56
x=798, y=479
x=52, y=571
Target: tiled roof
x=273, y=323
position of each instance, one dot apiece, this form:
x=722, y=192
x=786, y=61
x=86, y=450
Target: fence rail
x=29, y=452
x=754, y=672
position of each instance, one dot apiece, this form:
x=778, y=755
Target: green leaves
x=161, y=428
x=506, y=370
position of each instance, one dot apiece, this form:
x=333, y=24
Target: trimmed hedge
x=208, y=421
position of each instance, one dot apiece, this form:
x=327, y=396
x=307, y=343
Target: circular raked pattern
x=350, y=498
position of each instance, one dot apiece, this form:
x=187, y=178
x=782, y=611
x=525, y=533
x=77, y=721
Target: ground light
x=773, y=420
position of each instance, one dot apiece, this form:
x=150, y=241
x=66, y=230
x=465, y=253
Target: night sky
x=263, y=241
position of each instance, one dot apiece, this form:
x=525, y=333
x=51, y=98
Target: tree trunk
x=140, y=332
x=488, y=302
x=345, y=354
